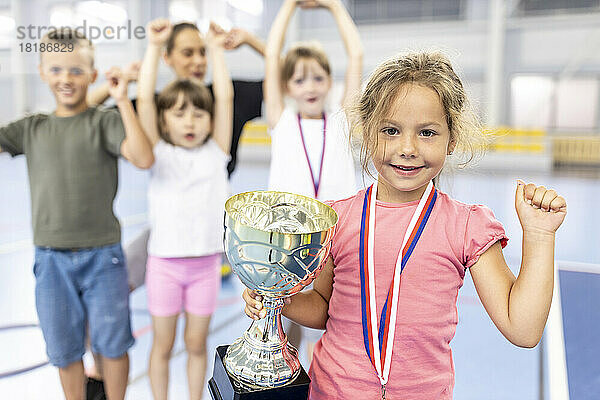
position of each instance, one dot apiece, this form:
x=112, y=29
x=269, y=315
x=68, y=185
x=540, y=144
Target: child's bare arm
x=309, y=307
x=237, y=37
x=519, y=307
x=353, y=45
x=273, y=94
x=98, y=95
x=222, y=90
x=135, y=147
x=158, y=32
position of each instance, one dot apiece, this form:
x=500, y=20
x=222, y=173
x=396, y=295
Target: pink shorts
x=192, y=284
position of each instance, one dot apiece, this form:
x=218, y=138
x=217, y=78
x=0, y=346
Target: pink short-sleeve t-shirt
x=422, y=367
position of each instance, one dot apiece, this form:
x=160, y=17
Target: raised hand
x=539, y=209
x=216, y=35
x=235, y=38
x=117, y=84
x=132, y=70
x=216, y=28
x=158, y=31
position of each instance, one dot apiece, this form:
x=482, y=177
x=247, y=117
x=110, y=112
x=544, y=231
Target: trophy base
x=222, y=387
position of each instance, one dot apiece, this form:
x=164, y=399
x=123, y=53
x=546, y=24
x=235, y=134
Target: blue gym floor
x=487, y=366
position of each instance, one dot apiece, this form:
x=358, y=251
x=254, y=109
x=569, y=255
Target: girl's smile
x=413, y=141
x=407, y=170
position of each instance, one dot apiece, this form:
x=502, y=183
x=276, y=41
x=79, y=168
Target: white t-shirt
x=289, y=171
x=186, y=198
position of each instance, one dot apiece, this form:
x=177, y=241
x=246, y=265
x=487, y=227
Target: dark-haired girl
x=190, y=134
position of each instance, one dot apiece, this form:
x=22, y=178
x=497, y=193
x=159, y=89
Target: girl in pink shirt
x=387, y=294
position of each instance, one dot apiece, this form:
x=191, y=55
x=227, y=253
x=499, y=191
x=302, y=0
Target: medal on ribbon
x=379, y=340
x=312, y=175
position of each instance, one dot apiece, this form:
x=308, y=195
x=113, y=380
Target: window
x=7, y=29
x=540, y=7
x=546, y=102
x=369, y=11
x=100, y=21
x=577, y=104
x=531, y=101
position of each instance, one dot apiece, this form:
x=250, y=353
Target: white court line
x=554, y=346
x=558, y=381
x=26, y=244
x=578, y=267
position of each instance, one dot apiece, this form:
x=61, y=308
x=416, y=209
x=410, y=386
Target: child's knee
x=161, y=353
x=195, y=346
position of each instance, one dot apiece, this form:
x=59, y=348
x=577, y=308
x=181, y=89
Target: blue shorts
x=81, y=288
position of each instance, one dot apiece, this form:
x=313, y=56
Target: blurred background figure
x=310, y=152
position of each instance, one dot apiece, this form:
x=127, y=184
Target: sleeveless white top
x=186, y=198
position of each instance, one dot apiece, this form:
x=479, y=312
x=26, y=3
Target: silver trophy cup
x=277, y=244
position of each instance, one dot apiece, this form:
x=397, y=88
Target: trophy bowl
x=277, y=244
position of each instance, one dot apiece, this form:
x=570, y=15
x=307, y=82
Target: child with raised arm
x=387, y=294
x=185, y=54
x=184, y=51
x=309, y=151
x=188, y=187
x=72, y=155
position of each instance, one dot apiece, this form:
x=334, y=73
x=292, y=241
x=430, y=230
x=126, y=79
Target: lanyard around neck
x=317, y=182
x=379, y=342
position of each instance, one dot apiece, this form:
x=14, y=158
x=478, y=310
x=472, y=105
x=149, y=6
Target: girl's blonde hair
x=428, y=69
x=307, y=50
x=198, y=95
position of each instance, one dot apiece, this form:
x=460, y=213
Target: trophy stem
x=271, y=326
x=262, y=357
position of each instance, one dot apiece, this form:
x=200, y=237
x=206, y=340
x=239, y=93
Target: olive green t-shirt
x=72, y=167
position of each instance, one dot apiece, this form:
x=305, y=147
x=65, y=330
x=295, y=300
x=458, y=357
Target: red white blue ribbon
x=380, y=341
x=312, y=175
